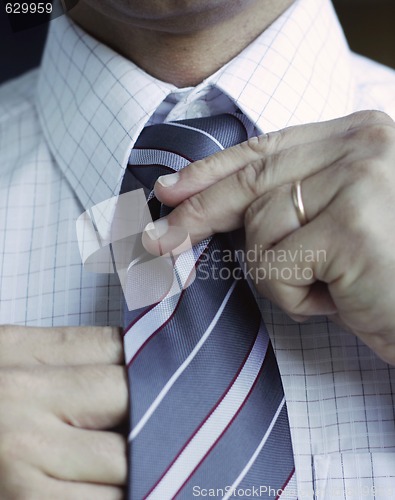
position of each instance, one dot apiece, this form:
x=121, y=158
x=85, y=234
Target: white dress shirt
x=66, y=131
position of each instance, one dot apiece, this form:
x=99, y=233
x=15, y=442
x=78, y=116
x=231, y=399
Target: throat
x=184, y=60
x=177, y=53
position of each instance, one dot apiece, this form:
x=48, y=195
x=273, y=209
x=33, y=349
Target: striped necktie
x=207, y=406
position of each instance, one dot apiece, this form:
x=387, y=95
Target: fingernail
x=169, y=179
x=156, y=230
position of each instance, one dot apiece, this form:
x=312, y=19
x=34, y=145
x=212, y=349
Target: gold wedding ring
x=297, y=199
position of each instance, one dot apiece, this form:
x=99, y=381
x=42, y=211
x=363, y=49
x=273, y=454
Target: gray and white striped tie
x=207, y=405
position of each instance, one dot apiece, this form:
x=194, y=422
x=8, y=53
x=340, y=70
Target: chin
x=169, y=14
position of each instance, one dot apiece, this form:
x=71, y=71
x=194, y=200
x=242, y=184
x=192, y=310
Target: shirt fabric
x=66, y=132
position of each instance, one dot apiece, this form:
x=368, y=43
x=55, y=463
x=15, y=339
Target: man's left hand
x=347, y=173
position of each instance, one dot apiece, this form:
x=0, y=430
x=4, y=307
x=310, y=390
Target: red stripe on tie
x=208, y=416
x=286, y=482
x=146, y=311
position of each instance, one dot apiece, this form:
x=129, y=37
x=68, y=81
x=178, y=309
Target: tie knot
x=171, y=146
x=198, y=137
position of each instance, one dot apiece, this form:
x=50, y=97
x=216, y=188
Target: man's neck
x=184, y=59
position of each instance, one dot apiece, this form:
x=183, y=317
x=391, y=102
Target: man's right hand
x=62, y=390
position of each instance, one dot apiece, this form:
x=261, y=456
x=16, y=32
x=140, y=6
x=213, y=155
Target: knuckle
x=194, y=208
x=370, y=174
x=247, y=178
x=84, y=376
x=374, y=116
x=260, y=175
x=63, y=336
x=356, y=218
x=205, y=168
x=264, y=143
x=388, y=135
x=112, y=445
x=250, y=216
x=268, y=173
x=257, y=144
x=360, y=170
x=255, y=212
x=293, y=306
x=381, y=116
x=381, y=134
x=110, y=343
x=285, y=300
x=273, y=139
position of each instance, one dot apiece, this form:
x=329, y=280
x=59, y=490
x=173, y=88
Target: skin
x=348, y=186
x=65, y=389
x=348, y=179
x=181, y=42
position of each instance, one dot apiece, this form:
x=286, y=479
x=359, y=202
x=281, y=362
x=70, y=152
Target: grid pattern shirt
x=66, y=132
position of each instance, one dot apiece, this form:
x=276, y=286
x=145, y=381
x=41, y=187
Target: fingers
x=275, y=210
x=94, y=397
x=200, y=175
x=63, y=490
x=213, y=195
x=50, y=424
x=28, y=346
x=222, y=206
x=21, y=480
x=54, y=413
x=259, y=161
x=67, y=453
x=292, y=273
x=82, y=455
x=296, y=258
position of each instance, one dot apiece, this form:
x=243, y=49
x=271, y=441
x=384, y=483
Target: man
x=66, y=135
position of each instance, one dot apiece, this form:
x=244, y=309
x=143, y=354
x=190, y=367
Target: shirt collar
x=93, y=103
x=298, y=70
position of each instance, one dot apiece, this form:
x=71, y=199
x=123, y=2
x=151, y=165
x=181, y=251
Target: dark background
x=369, y=27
